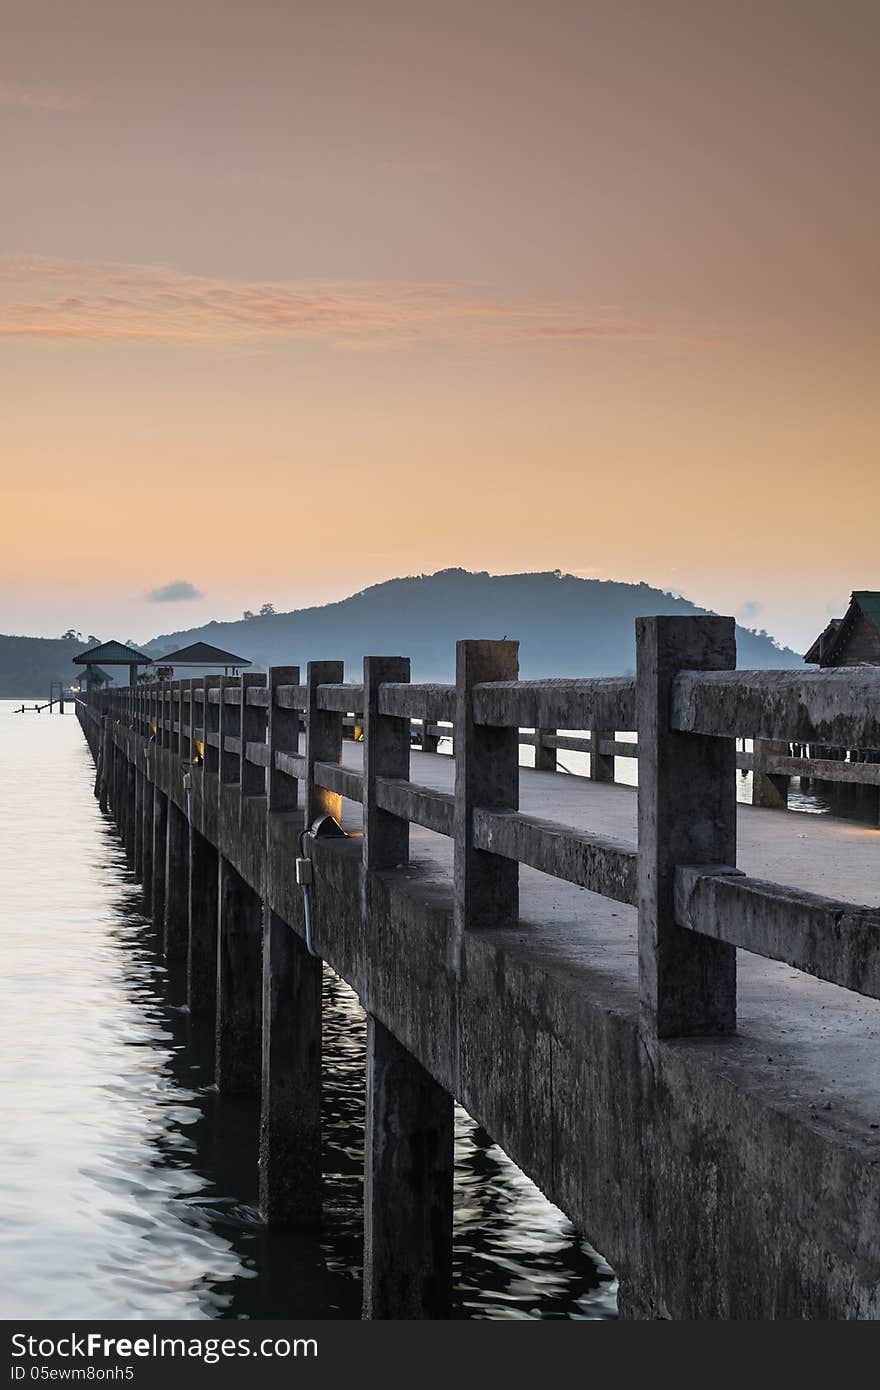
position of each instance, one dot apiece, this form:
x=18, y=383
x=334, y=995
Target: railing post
x=430, y=741
x=687, y=815
x=601, y=764
x=229, y=726
x=165, y=712
x=769, y=789
x=284, y=725
x=252, y=721
x=188, y=750
x=179, y=743
x=323, y=739
x=386, y=754
x=486, y=774
x=545, y=757
x=212, y=724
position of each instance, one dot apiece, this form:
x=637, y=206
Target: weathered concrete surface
x=201, y=953
x=290, y=1118
x=716, y=1181
x=408, y=1184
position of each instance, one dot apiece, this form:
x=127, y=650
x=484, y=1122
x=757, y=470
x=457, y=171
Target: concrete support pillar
x=106, y=776
x=687, y=815
x=545, y=758
x=239, y=983
x=769, y=789
x=290, y=1121
x=601, y=764
x=160, y=846
x=408, y=1185
x=486, y=774
x=323, y=739
x=176, y=933
x=147, y=844
x=138, y=827
x=386, y=754
x=201, y=960
x=128, y=820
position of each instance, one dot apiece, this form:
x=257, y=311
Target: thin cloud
x=750, y=609
x=174, y=592
x=37, y=98
x=45, y=299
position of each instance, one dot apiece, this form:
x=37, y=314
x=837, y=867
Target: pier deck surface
x=805, y=1046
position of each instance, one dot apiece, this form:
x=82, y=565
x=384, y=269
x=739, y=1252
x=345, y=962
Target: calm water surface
x=127, y=1185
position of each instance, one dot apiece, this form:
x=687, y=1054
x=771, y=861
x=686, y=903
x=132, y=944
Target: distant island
x=566, y=626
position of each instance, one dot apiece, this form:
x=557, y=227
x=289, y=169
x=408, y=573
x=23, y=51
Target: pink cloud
x=48, y=299
x=37, y=98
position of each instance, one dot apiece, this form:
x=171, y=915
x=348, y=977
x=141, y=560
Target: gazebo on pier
x=112, y=654
x=203, y=655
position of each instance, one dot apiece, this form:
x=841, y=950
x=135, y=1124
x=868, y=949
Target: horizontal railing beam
x=866, y=774
x=834, y=941
x=293, y=764
x=257, y=753
x=607, y=702
x=431, y=702
x=839, y=708
x=290, y=697
x=593, y=862
x=345, y=781
x=342, y=699
x=420, y=805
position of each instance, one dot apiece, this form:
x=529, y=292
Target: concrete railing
x=268, y=733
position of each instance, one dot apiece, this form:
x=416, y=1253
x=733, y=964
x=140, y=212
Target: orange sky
x=298, y=297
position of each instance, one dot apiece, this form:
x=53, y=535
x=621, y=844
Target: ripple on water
x=128, y=1184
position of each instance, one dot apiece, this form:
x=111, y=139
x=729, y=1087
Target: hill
x=29, y=664
x=566, y=626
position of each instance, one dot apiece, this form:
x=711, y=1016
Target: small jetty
x=665, y=1006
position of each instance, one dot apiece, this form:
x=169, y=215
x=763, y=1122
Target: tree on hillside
x=267, y=610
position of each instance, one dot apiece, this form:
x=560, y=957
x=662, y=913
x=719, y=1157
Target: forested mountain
x=566, y=626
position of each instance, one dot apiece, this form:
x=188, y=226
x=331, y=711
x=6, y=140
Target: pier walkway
x=665, y=1007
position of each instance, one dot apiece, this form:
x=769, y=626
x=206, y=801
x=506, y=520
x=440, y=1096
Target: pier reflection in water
x=128, y=1183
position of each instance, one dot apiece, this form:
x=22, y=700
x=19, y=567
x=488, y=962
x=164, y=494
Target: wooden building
x=854, y=639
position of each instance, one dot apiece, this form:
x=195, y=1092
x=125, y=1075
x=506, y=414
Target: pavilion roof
x=200, y=654
x=113, y=654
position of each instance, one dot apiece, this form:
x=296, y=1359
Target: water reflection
x=129, y=1185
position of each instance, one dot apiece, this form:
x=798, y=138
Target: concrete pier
x=665, y=1007
x=177, y=849
x=408, y=1147
x=239, y=982
x=290, y=1119
x=203, y=913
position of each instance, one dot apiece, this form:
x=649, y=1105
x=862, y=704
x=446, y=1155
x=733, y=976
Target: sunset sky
x=298, y=295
